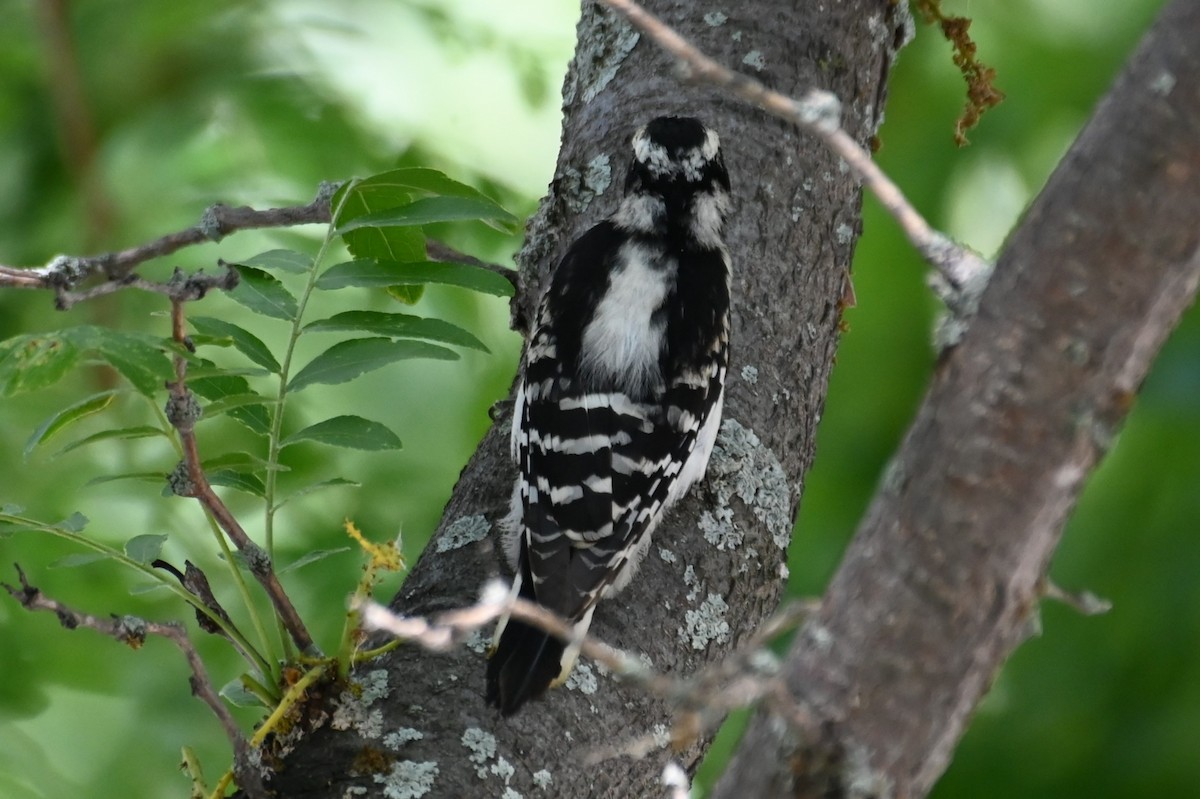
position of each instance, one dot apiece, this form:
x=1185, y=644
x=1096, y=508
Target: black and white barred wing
x=590, y=495
x=595, y=490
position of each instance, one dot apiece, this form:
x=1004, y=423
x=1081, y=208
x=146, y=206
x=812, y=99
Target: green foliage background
x=257, y=102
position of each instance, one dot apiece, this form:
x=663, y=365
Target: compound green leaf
x=145, y=548
x=280, y=260
x=141, y=359
x=430, y=210
x=263, y=293
x=78, y=559
x=217, y=387
x=350, y=359
x=247, y=343
x=121, y=434
x=312, y=557
x=242, y=481
x=68, y=416
x=336, y=482
x=363, y=197
x=351, y=432
x=397, y=325
x=32, y=362
x=373, y=274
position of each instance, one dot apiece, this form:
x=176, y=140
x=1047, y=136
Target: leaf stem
x=235, y=635
x=276, y=435
x=275, y=439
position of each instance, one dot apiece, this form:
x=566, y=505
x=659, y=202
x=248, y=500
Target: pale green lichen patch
x=374, y=685
x=503, y=769
x=599, y=57
x=715, y=19
x=598, y=175
x=706, y=624
x=661, y=734
x=742, y=466
x=879, y=31
x=580, y=188
x=370, y=725
x=667, y=555
x=478, y=641
x=861, y=781
x=750, y=374
x=461, y=532
x=583, y=679
x=408, y=779
x=755, y=60
x=482, y=746
x=353, y=710
x=542, y=779
x=1163, y=83
x=719, y=530
x=398, y=738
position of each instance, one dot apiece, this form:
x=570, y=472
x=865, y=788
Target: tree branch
x=819, y=112
x=714, y=571
x=132, y=631
x=945, y=573
x=65, y=272
x=702, y=700
x=183, y=411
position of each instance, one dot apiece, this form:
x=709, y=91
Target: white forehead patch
x=652, y=154
x=690, y=164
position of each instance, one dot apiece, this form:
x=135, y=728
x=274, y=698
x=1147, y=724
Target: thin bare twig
x=441, y=252
x=1085, y=603
x=183, y=411
x=818, y=113
x=704, y=698
x=66, y=271
x=132, y=631
x=181, y=286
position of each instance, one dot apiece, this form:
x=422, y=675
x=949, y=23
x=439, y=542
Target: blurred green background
x=143, y=113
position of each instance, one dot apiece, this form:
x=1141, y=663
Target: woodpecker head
x=677, y=179
x=676, y=153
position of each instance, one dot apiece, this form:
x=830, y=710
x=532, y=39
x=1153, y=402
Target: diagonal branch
x=945, y=574
x=189, y=480
x=132, y=631
x=714, y=572
x=700, y=700
x=818, y=113
x=65, y=272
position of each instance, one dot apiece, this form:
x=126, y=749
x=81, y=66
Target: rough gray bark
x=796, y=219
x=943, y=579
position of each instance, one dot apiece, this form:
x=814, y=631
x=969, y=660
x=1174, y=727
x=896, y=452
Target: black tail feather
x=524, y=664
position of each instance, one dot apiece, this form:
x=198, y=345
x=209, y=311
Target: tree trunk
x=716, y=568
x=944, y=576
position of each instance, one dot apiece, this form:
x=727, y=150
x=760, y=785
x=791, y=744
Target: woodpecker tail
x=524, y=662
